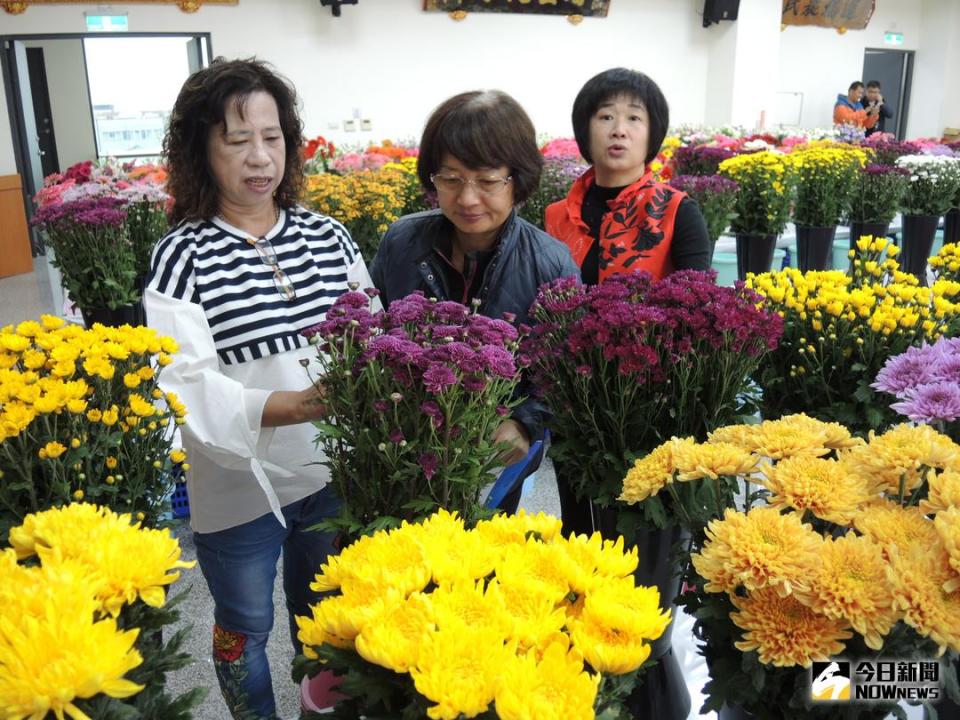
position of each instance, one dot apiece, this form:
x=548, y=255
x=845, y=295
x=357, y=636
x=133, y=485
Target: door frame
x=14, y=93
x=37, y=60
x=906, y=84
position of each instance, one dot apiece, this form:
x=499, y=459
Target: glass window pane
x=134, y=82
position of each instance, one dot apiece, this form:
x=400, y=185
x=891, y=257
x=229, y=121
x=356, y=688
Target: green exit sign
x=893, y=38
x=107, y=23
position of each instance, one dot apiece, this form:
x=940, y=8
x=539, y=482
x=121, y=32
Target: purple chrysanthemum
x=905, y=371
x=933, y=402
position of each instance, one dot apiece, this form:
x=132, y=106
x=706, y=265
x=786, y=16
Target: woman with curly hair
x=243, y=271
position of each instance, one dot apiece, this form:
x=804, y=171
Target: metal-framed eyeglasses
x=486, y=185
x=269, y=258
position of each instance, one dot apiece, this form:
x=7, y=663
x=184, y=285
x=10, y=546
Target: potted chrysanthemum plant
x=504, y=620
x=934, y=183
x=765, y=195
x=412, y=396
x=839, y=330
x=83, y=603
x=843, y=550
x=625, y=365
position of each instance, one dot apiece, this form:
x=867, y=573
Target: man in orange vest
x=848, y=109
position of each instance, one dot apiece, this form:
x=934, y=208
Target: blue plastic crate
x=180, y=501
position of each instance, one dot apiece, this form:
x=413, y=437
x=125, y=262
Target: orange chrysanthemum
x=851, y=585
x=785, y=632
x=649, y=475
x=759, y=549
x=824, y=487
x=921, y=577
x=944, y=491
x=948, y=527
x=789, y=436
x=891, y=525
x=903, y=455
x=712, y=460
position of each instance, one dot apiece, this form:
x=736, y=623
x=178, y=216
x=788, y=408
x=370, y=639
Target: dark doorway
x=42, y=112
x=893, y=69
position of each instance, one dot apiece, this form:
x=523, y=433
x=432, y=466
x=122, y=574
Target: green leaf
x=874, y=417
x=328, y=430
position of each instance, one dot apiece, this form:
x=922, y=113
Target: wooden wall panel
x=15, y=256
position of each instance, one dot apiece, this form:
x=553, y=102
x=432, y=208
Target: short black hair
x=873, y=84
x=200, y=107
x=610, y=84
x=482, y=128
x=855, y=85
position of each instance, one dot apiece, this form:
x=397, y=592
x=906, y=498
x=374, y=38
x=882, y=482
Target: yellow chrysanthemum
x=555, y=687
x=135, y=562
x=608, y=650
x=835, y=435
x=52, y=450
x=824, y=487
x=468, y=604
x=902, y=455
x=547, y=568
x=791, y=436
x=921, y=576
x=759, y=549
x=311, y=632
x=948, y=527
x=396, y=559
x=891, y=525
x=460, y=672
x=462, y=556
x=393, y=637
x=649, y=475
x=712, y=460
x=851, y=585
x=345, y=616
x=743, y=436
x=534, y=614
x=785, y=632
x=141, y=407
x=944, y=491
x=594, y=558
x=622, y=606
x=504, y=529
x=28, y=591
x=51, y=660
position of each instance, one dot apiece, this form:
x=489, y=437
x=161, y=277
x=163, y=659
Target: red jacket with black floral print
x=635, y=235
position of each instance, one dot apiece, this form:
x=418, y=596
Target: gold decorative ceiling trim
x=16, y=7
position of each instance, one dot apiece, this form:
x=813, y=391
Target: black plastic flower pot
x=814, y=247
x=754, y=254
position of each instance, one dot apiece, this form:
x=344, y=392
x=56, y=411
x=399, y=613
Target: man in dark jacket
x=874, y=102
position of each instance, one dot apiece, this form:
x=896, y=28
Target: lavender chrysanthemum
x=906, y=371
x=933, y=402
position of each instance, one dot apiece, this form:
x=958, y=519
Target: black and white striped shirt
x=212, y=264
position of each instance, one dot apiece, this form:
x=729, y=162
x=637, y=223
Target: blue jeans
x=240, y=567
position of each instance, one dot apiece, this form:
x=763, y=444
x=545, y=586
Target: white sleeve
x=223, y=416
x=358, y=273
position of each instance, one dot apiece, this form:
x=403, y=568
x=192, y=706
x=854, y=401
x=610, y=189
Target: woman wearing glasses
x=244, y=270
x=479, y=153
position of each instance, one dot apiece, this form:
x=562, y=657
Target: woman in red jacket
x=617, y=218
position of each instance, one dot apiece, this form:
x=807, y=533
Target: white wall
x=69, y=100
x=820, y=63
x=936, y=70
x=395, y=63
